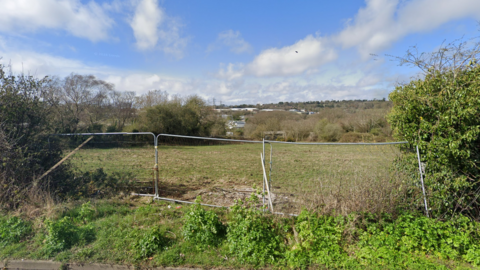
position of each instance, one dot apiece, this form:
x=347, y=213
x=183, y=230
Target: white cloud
x=81, y=20
x=231, y=39
x=305, y=54
x=383, y=22
x=145, y=23
x=302, y=57
x=230, y=72
x=153, y=29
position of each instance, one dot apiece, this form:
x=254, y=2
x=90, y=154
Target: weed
x=252, y=236
x=62, y=234
x=202, y=227
x=150, y=241
x=317, y=239
x=13, y=230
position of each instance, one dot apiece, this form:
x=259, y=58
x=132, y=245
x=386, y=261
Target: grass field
x=300, y=173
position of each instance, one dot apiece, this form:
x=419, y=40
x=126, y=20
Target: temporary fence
x=129, y=156
x=340, y=177
x=285, y=176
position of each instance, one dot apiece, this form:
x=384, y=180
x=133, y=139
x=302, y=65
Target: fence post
x=271, y=163
x=263, y=162
x=155, y=142
x=421, y=179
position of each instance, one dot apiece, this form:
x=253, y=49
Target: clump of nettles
x=253, y=237
x=64, y=233
x=203, y=227
x=13, y=230
x=149, y=242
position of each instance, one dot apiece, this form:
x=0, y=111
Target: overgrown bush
x=25, y=152
x=202, y=227
x=64, y=233
x=187, y=116
x=149, y=242
x=13, y=230
x=392, y=241
x=441, y=114
x=96, y=182
x=317, y=240
x=252, y=236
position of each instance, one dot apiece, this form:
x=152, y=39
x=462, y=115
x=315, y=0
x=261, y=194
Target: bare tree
x=123, y=106
x=78, y=99
x=455, y=57
x=152, y=98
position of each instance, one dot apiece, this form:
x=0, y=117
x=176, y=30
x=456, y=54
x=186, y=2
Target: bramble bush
x=64, y=233
x=406, y=238
x=441, y=114
x=150, y=241
x=318, y=240
x=13, y=230
x=252, y=236
x=202, y=227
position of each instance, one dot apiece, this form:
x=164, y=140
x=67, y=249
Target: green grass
x=120, y=224
x=297, y=170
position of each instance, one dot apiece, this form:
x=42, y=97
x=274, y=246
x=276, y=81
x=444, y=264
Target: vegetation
x=138, y=232
x=25, y=152
x=344, y=124
x=325, y=177
x=440, y=114
x=360, y=204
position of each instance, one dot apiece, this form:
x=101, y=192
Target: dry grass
x=327, y=178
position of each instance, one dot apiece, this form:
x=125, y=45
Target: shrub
x=202, y=227
x=443, y=119
x=410, y=234
x=150, y=241
x=318, y=240
x=356, y=137
x=252, y=236
x=13, y=230
x=441, y=114
x=62, y=234
x=96, y=182
x=25, y=153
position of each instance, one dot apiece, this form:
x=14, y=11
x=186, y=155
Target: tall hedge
x=441, y=114
x=25, y=151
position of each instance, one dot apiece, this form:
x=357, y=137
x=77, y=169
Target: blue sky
x=234, y=51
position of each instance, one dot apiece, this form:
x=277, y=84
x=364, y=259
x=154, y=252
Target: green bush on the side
x=13, y=230
x=252, y=236
x=202, y=227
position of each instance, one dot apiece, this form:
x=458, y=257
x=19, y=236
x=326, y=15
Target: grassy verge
x=139, y=232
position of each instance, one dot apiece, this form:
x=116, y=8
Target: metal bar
x=156, y=165
x=271, y=163
x=179, y=201
x=103, y=133
x=421, y=179
x=268, y=189
x=283, y=214
x=210, y=205
x=263, y=161
x=306, y=143
x=208, y=138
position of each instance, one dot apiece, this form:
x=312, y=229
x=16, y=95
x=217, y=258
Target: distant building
x=235, y=124
x=237, y=109
x=272, y=110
